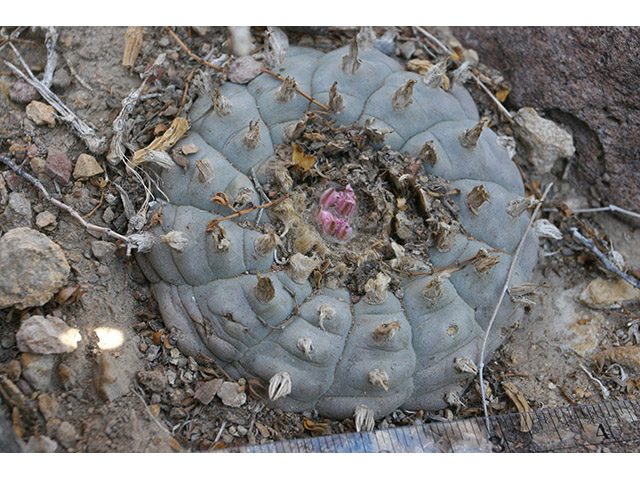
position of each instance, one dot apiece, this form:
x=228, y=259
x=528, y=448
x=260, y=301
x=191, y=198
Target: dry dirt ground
x=149, y=405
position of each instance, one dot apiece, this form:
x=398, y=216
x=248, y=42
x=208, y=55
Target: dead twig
x=74, y=73
x=610, y=208
x=300, y=92
x=51, y=38
x=62, y=206
x=85, y=132
x=587, y=242
x=186, y=90
x=153, y=417
x=190, y=53
x=213, y=224
x=505, y=287
x=218, y=68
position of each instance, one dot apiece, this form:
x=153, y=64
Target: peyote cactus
x=368, y=283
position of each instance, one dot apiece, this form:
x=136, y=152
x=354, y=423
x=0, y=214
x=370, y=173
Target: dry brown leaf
x=302, y=163
x=178, y=128
x=518, y=399
x=316, y=427
x=502, y=94
x=419, y=66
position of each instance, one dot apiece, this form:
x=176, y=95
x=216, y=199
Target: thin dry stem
x=587, y=242
x=62, y=206
x=190, y=53
x=213, y=224
x=85, y=132
x=305, y=95
x=505, y=287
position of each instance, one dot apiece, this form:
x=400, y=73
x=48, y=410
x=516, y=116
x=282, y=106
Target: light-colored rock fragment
x=604, y=294
x=17, y=213
x=33, y=268
x=544, y=140
x=545, y=229
x=41, y=113
x=230, y=395
x=111, y=377
x=103, y=250
x=86, y=166
x=46, y=220
x=46, y=335
x=41, y=444
x=38, y=370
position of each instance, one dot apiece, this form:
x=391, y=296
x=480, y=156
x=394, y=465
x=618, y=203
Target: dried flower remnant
x=205, y=170
x=251, y=138
x=545, y=229
x=517, y=207
x=301, y=267
x=375, y=135
x=325, y=313
x=336, y=101
x=379, y=378
x=386, y=331
x=279, y=386
x=266, y=243
x=483, y=260
x=435, y=75
x=364, y=418
x=403, y=97
x=221, y=104
x=264, y=290
x=465, y=365
x=350, y=61
x=176, y=240
x=287, y=90
x=305, y=345
x=376, y=289
x=470, y=138
x=476, y=197
x=428, y=153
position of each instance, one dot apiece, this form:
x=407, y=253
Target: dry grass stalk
x=133, y=44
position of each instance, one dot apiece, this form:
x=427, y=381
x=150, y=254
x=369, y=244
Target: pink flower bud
x=329, y=198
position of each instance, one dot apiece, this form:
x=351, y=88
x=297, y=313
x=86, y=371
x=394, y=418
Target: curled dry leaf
x=315, y=427
x=302, y=163
x=70, y=295
x=178, y=128
x=519, y=400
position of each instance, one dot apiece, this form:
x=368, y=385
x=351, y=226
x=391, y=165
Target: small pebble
x=41, y=444
x=86, y=166
x=38, y=370
x=103, y=250
x=154, y=380
x=228, y=393
x=66, y=434
x=61, y=78
x=41, y=113
x=46, y=220
x=22, y=92
x=17, y=212
x=46, y=335
x=58, y=166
